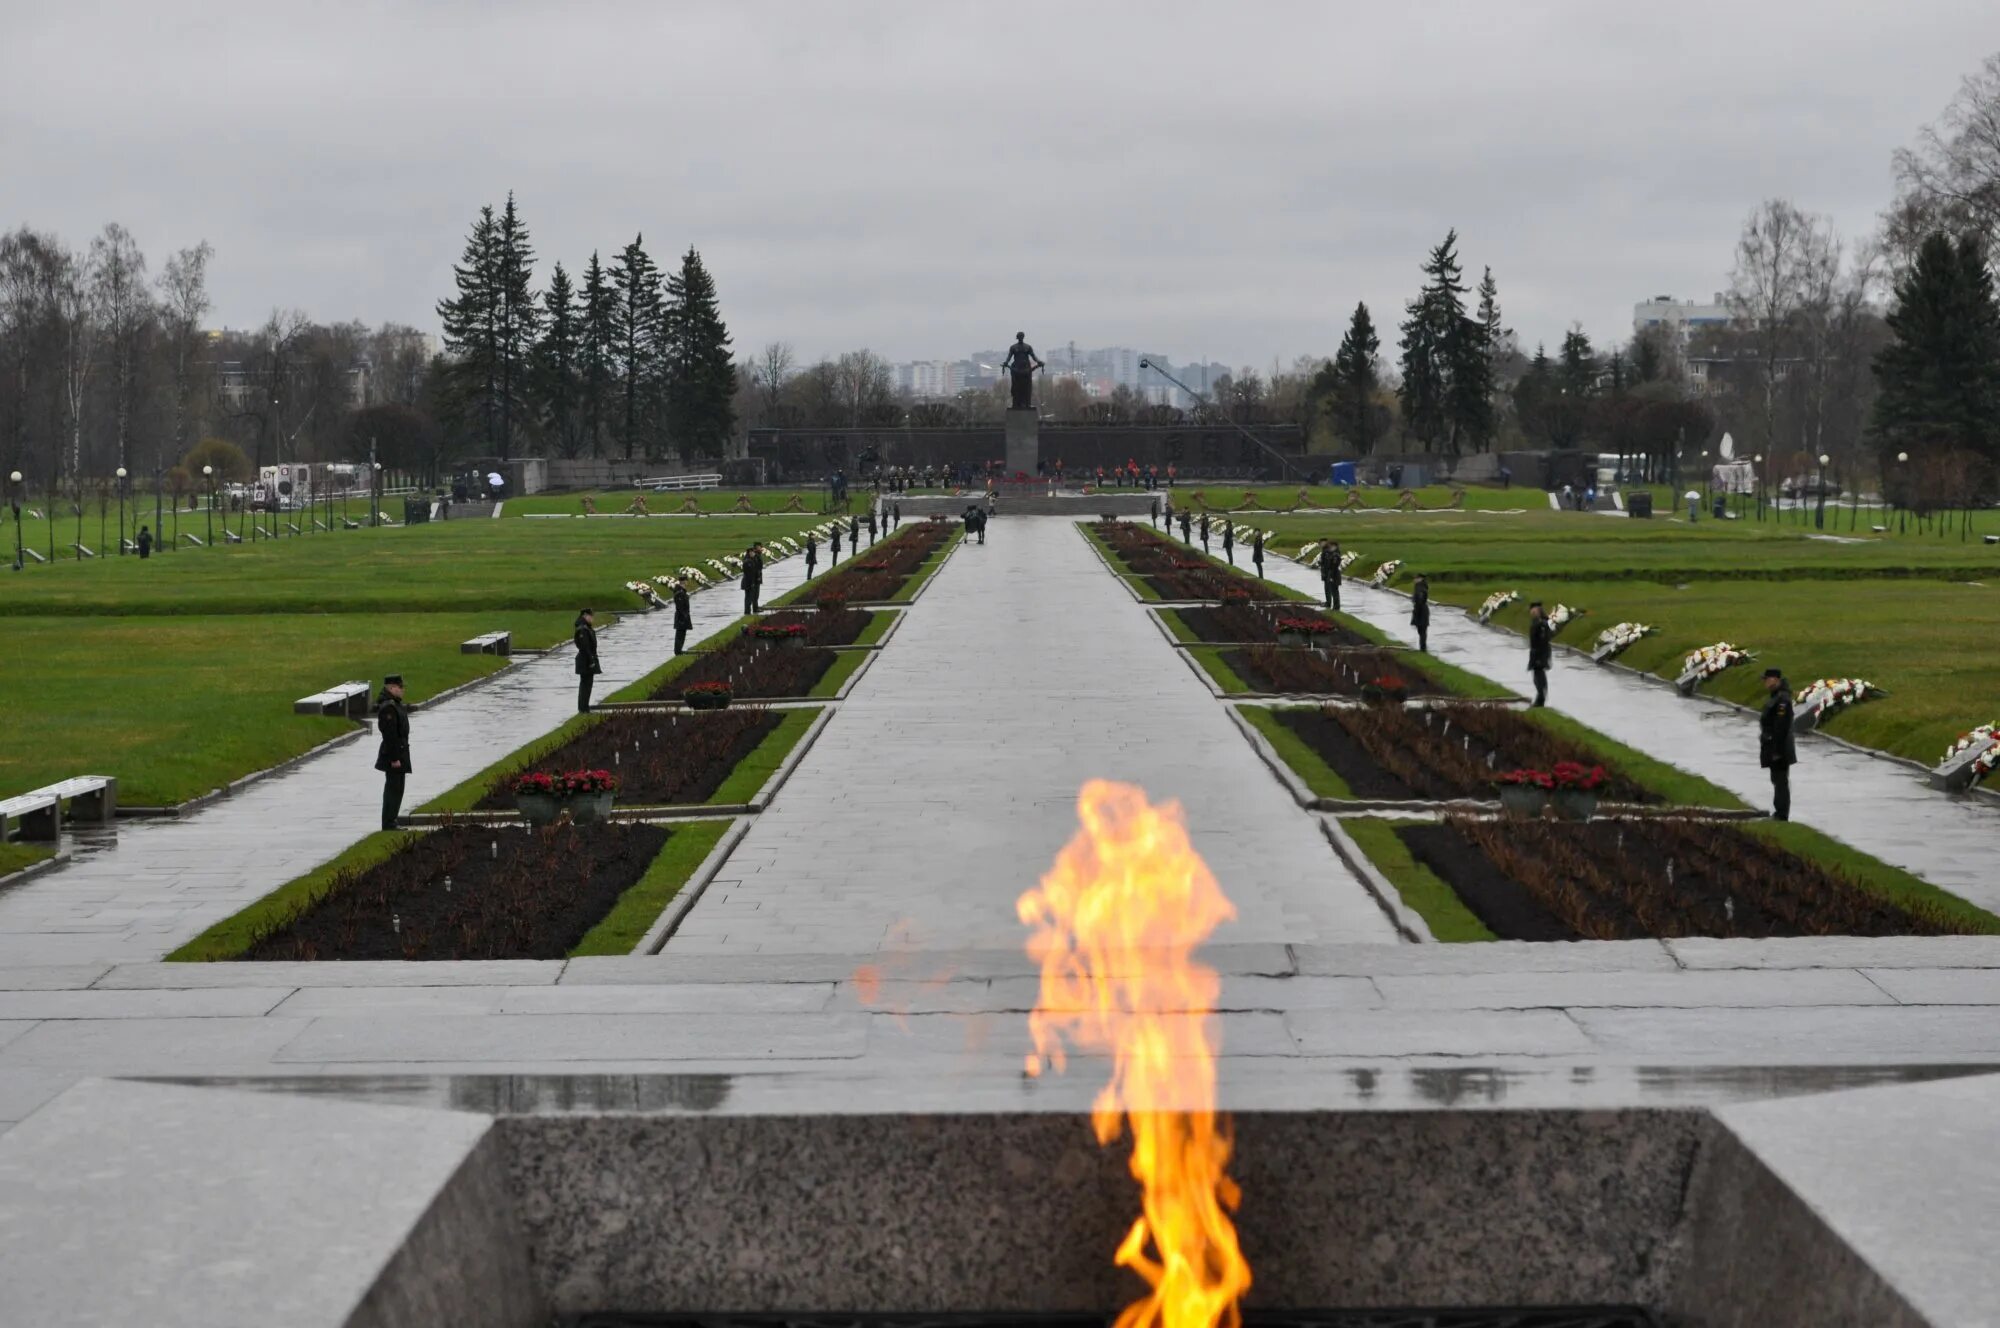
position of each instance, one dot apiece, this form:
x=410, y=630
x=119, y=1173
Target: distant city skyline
x=1102, y=369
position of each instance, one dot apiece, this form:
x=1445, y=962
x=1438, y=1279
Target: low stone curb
x=50, y=863
x=691, y=891
x=1407, y=922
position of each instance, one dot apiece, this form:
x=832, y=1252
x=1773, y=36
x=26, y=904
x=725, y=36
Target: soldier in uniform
x=392, y=722
x=1187, y=523
x=1329, y=574
x=836, y=543
x=145, y=542
x=1153, y=515
x=683, y=615
x=871, y=525
x=1257, y=552
x=1776, y=751
x=854, y=535
x=753, y=578
x=812, y=554
x=1420, y=611
x=587, y=667
x=1204, y=532
x=1541, y=650
x=1229, y=542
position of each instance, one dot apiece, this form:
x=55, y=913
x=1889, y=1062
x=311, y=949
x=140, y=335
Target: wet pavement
x=1877, y=805
x=141, y=888
x=947, y=781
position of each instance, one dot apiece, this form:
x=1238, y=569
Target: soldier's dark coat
x=1774, y=730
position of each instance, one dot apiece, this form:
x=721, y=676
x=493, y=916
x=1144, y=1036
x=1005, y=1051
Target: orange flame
x=1116, y=922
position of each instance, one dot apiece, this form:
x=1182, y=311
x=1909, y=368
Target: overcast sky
x=1221, y=180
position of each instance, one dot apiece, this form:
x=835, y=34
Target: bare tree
x=1950, y=180
x=183, y=287
x=774, y=365
x=123, y=310
x=1780, y=250
x=76, y=331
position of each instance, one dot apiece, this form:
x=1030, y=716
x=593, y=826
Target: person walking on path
x=1257, y=553
x=753, y=578
x=812, y=554
x=1229, y=543
x=145, y=542
x=392, y=723
x=1541, y=649
x=1204, y=532
x=684, y=615
x=587, y=666
x=1329, y=575
x=1776, y=751
x=1420, y=611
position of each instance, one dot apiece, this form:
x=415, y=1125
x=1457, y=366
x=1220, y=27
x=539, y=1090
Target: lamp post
x=1758, y=461
x=1819, y=505
x=121, y=511
x=375, y=493
x=14, y=496
x=160, y=534
x=1902, y=507
x=208, y=474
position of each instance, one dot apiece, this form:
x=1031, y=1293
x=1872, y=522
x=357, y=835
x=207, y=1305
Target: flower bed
x=1238, y=624
x=658, y=759
x=1387, y=753
x=827, y=627
x=1630, y=879
x=470, y=892
x=1309, y=673
x=884, y=569
x=1211, y=584
x=752, y=670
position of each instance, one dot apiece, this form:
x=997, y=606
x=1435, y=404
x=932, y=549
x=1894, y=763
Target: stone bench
x=492, y=643
x=349, y=699
x=1956, y=774
x=39, y=813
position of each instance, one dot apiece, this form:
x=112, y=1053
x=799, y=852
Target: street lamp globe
x=208, y=470
x=121, y=472
x=15, y=478
x=1902, y=456
x=1825, y=460
x=1759, y=458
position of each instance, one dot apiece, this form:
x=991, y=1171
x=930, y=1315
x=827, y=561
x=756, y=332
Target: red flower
x=1310, y=626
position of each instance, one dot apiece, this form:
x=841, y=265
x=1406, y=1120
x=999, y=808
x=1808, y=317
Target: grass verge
x=845, y=662
x=756, y=769
x=1210, y=659
x=1677, y=786
x=640, y=906
x=1874, y=875
x=1304, y=761
x=14, y=857
x=1423, y=891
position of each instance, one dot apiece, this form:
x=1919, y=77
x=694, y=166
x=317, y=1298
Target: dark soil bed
x=1281, y=671
x=1234, y=624
x=757, y=670
x=1631, y=879
x=658, y=758
x=1209, y=584
x=1437, y=752
x=880, y=570
x=533, y=899
x=839, y=628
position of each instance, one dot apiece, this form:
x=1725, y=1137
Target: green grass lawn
x=1423, y=891
x=1319, y=777
x=446, y=566
x=622, y=928
x=742, y=784
x=1929, y=643
x=13, y=857
x=570, y=502
x=177, y=706
x=1226, y=498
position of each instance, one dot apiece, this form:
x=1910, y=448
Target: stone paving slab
x=1473, y=1033
x=138, y=890
x=1880, y=806
x=947, y=783
x=561, y=1037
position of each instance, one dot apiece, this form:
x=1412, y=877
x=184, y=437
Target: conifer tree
x=701, y=388
x=517, y=317
x=597, y=355
x=471, y=332
x=557, y=364
x=636, y=328
x=1433, y=341
x=1940, y=377
x=1354, y=382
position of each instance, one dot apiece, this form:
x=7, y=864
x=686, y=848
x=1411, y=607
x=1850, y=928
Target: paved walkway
x=138, y=892
x=947, y=782
x=1880, y=807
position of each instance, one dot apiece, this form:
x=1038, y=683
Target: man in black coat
x=683, y=615
x=1776, y=751
x=812, y=554
x=753, y=578
x=1541, y=649
x=836, y=544
x=895, y=516
x=1329, y=574
x=1153, y=515
x=1187, y=524
x=1257, y=552
x=1229, y=543
x=1204, y=532
x=871, y=525
x=392, y=723
x=145, y=542
x=1420, y=611
x=587, y=667
x=854, y=534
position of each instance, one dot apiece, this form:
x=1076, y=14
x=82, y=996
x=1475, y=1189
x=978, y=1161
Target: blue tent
x=1342, y=473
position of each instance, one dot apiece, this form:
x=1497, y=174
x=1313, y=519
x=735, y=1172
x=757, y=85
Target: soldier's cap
x=1774, y=673
x=393, y=680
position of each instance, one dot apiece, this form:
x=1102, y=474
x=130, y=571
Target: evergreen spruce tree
x=1940, y=377
x=598, y=365
x=1576, y=384
x=517, y=318
x=471, y=333
x=1433, y=342
x=557, y=365
x=1533, y=396
x=701, y=392
x=636, y=319
x=1353, y=383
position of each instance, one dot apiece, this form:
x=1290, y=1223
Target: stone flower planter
x=1574, y=804
x=545, y=808
x=704, y=701
x=538, y=808
x=1294, y=639
x=1523, y=799
x=589, y=808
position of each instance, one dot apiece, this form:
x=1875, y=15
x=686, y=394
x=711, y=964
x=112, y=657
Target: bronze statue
x=1021, y=363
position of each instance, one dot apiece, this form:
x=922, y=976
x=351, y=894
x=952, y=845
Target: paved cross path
x=947, y=782
x=1879, y=806
x=139, y=891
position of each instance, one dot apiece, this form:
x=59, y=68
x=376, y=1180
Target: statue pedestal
x=1023, y=443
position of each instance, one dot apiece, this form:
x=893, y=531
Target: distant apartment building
x=1680, y=317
